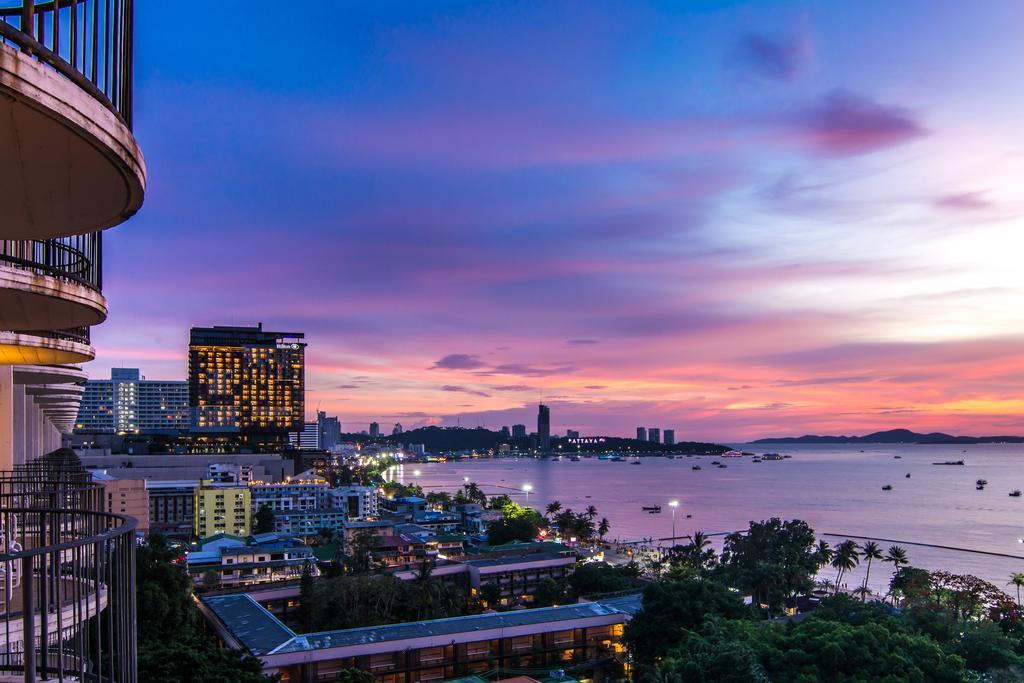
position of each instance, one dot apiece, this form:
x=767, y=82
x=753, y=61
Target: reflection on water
x=837, y=489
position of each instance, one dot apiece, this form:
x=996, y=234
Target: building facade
x=543, y=428
x=222, y=509
x=358, y=502
x=330, y=431
x=654, y=434
x=670, y=437
x=246, y=381
x=518, y=431
x=128, y=403
x=641, y=433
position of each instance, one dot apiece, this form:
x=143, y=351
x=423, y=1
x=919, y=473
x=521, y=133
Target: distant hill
x=895, y=436
x=441, y=439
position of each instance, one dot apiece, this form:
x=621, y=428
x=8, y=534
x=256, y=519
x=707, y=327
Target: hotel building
x=222, y=509
x=127, y=403
x=246, y=385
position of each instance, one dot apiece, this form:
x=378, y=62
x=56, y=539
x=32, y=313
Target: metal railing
x=78, y=335
x=67, y=576
x=76, y=259
x=87, y=41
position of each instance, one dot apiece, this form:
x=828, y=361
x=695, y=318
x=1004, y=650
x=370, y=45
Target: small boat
x=949, y=462
x=980, y=487
x=689, y=516
x=771, y=456
x=670, y=456
x=636, y=462
x=695, y=467
x=722, y=467
x=715, y=462
x=1015, y=493
x=574, y=458
x=887, y=487
x=908, y=475
x=981, y=482
x=651, y=508
x=732, y=454
x=895, y=457
x=756, y=460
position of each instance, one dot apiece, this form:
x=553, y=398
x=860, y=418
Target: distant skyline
x=734, y=220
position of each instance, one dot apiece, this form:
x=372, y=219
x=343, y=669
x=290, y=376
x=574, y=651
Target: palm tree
x=823, y=554
x=591, y=511
x=869, y=551
x=846, y=558
x=897, y=556
x=862, y=592
x=603, y=527
x=1017, y=579
x=826, y=585
x=553, y=508
x=699, y=541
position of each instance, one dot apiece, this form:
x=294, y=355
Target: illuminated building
x=543, y=427
x=330, y=430
x=308, y=438
x=247, y=383
x=127, y=403
x=222, y=509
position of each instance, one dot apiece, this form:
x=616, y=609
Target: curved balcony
x=51, y=284
x=66, y=86
x=67, y=594
x=57, y=347
x=48, y=374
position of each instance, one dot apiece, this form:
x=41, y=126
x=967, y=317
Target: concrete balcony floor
x=26, y=349
x=49, y=374
x=68, y=165
x=31, y=301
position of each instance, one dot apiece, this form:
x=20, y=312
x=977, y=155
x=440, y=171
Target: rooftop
x=253, y=626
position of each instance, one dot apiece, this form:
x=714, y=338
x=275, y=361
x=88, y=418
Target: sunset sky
x=739, y=220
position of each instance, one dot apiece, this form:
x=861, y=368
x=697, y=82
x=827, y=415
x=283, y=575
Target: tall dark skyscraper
x=374, y=429
x=245, y=381
x=543, y=428
x=518, y=431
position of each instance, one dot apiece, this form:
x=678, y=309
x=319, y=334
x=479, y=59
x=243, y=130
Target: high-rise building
x=245, y=381
x=641, y=434
x=308, y=438
x=670, y=437
x=374, y=429
x=128, y=403
x=397, y=429
x=330, y=430
x=543, y=427
x=505, y=433
x=654, y=434
x=518, y=431
x=572, y=434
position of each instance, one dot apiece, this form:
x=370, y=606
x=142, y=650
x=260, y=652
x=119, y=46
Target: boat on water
x=887, y=487
x=722, y=466
x=771, y=456
x=636, y=462
x=574, y=458
x=612, y=457
x=670, y=456
x=733, y=454
x=981, y=482
x=651, y=508
x=1015, y=493
x=980, y=487
x=895, y=457
x=949, y=462
x=716, y=462
x=695, y=467
x=756, y=460
x=908, y=475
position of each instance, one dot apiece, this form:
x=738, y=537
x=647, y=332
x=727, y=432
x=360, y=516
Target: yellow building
x=222, y=509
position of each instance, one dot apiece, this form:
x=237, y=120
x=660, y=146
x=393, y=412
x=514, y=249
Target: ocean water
x=837, y=489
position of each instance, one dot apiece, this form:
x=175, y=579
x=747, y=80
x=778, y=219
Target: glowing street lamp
x=415, y=473
x=673, y=504
x=527, y=488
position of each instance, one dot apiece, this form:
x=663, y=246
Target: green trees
x=355, y=676
x=671, y=608
x=773, y=561
x=518, y=523
x=603, y=527
x=596, y=578
x=264, y=520
x=552, y=508
x=170, y=647
x=1017, y=579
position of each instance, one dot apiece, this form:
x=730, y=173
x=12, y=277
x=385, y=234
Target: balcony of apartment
x=49, y=296
x=71, y=165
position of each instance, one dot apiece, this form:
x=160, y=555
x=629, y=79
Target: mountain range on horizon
x=894, y=436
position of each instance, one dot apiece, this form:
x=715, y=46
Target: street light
x=673, y=504
x=527, y=488
x=415, y=473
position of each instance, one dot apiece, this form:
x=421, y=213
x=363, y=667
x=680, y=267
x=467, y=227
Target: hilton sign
x=586, y=440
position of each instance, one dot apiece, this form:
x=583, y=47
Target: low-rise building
x=308, y=523
x=222, y=508
x=586, y=637
x=358, y=502
x=172, y=507
x=519, y=568
x=233, y=561
x=126, y=497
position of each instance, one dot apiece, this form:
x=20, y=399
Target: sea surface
x=837, y=489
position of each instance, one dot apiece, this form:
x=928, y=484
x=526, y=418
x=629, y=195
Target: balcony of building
x=67, y=596
x=71, y=165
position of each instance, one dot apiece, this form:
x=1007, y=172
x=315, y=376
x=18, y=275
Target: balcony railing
x=78, y=335
x=87, y=41
x=67, y=593
x=77, y=259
